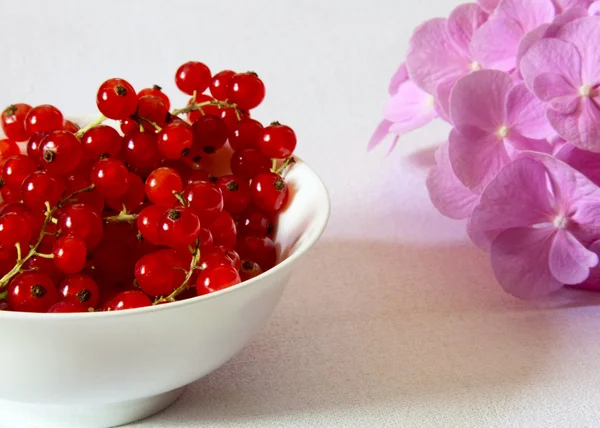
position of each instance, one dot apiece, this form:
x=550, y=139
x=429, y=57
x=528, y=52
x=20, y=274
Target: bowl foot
x=108, y=415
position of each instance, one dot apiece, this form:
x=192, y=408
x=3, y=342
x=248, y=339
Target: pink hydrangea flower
x=493, y=119
x=408, y=109
x=537, y=218
x=563, y=5
x=594, y=9
x=565, y=73
x=488, y=5
x=440, y=53
x=496, y=43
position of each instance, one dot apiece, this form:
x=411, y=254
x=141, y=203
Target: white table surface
x=394, y=320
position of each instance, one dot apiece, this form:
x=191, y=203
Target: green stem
x=274, y=165
x=154, y=124
x=284, y=165
x=44, y=256
x=4, y=295
x=171, y=297
x=86, y=128
x=198, y=106
x=121, y=218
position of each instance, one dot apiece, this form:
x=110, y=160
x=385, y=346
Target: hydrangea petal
x=410, y=105
x=579, y=128
x=593, y=280
x=563, y=97
x=585, y=35
x=563, y=5
x=495, y=44
x=570, y=261
x=442, y=99
x=446, y=192
x=526, y=114
x=587, y=163
x=528, y=13
x=399, y=77
x=462, y=24
x=594, y=9
x=519, y=142
x=379, y=135
x=488, y=5
x=551, y=56
x=530, y=38
x=520, y=262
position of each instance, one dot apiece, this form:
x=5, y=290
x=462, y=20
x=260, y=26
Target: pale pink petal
x=399, y=77
x=594, y=9
x=442, y=99
x=563, y=5
x=517, y=197
x=478, y=100
x=379, y=135
x=556, y=90
x=495, y=44
x=570, y=261
x=585, y=220
x=579, y=128
x=433, y=57
x=585, y=35
x=593, y=280
x=526, y=114
x=488, y=5
x=462, y=24
x=568, y=15
x=587, y=163
x=409, y=104
x=446, y=191
x=520, y=260
x=519, y=142
x=552, y=56
x=530, y=38
x=528, y=13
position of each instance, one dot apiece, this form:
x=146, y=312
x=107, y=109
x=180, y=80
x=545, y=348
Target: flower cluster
x=519, y=82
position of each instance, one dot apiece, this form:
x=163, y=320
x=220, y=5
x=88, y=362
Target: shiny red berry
x=69, y=254
x=153, y=109
x=110, y=177
x=31, y=292
x=64, y=307
x=161, y=185
x=255, y=222
x=60, y=152
x=178, y=227
x=45, y=266
x=8, y=148
x=192, y=76
x=81, y=221
x=16, y=169
x=236, y=193
x=80, y=179
x=147, y=223
x=211, y=256
x=101, y=141
x=175, y=140
x=130, y=299
x=14, y=228
x=157, y=92
x=205, y=237
x=277, y=141
x=244, y=134
x=159, y=273
x=219, y=83
x=41, y=187
x=248, y=163
x=33, y=146
x=140, y=150
x=129, y=125
x=257, y=249
x=249, y=270
x=223, y=230
x=210, y=134
x=70, y=127
x=246, y=90
x=132, y=198
x=269, y=191
x=79, y=288
x=44, y=118
x=205, y=199
x=216, y=278
x=13, y=121
x=116, y=99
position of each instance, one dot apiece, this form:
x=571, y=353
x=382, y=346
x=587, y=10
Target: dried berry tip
x=232, y=186
x=248, y=265
x=10, y=110
x=158, y=88
x=279, y=184
x=84, y=295
x=38, y=291
x=275, y=123
x=48, y=156
x=174, y=215
x=121, y=90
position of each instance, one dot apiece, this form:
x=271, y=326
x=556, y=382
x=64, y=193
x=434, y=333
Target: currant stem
x=284, y=165
x=19, y=255
x=44, y=256
x=274, y=165
x=121, y=218
x=86, y=128
x=4, y=295
x=171, y=297
x=154, y=124
x=180, y=198
x=198, y=106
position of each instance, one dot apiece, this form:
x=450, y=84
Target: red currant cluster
x=97, y=219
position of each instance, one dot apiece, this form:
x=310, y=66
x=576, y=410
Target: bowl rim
x=13, y=315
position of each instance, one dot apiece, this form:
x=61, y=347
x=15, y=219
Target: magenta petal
x=478, y=100
x=462, y=24
x=488, y=5
x=552, y=56
x=530, y=38
x=563, y=5
x=593, y=280
x=520, y=142
x=526, y=114
x=528, y=13
x=442, y=99
x=446, y=191
x=379, y=135
x=588, y=163
x=570, y=261
x=433, y=57
x=517, y=197
x=579, y=128
x=585, y=35
x=520, y=260
x=495, y=44
x=399, y=77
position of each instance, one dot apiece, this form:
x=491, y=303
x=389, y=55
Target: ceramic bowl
x=106, y=369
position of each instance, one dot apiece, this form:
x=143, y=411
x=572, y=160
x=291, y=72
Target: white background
x=394, y=319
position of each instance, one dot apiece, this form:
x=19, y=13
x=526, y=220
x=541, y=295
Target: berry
x=4, y=306
x=254, y=222
x=79, y=288
x=70, y=127
x=269, y=191
x=211, y=256
x=67, y=307
x=236, y=193
x=140, y=150
x=192, y=76
x=161, y=185
x=81, y=221
x=159, y=273
x=257, y=249
x=233, y=257
x=8, y=148
x=10, y=194
x=216, y=278
x=223, y=230
x=246, y=90
x=152, y=109
x=116, y=99
x=13, y=121
x=157, y=92
x=33, y=146
x=130, y=299
x=80, y=179
x=69, y=254
x=14, y=228
x=147, y=223
x=16, y=169
x=45, y=266
x=248, y=163
x=132, y=198
x=277, y=141
x=244, y=134
x=110, y=177
x=175, y=140
x=101, y=141
x=129, y=125
x=219, y=83
x=210, y=134
x=178, y=227
x=60, y=152
x=113, y=259
x=31, y=292
x=205, y=199
x=8, y=258
x=229, y=116
x=249, y=270
x=44, y=118
x=41, y=187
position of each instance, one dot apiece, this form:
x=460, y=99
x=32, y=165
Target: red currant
x=116, y=99
x=79, y=288
x=192, y=76
x=248, y=163
x=16, y=169
x=69, y=254
x=44, y=118
x=229, y=116
x=211, y=256
x=277, y=141
x=113, y=259
x=81, y=221
x=14, y=229
x=33, y=146
x=8, y=258
x=205, y=199
x=10, y=194
x=244, y=134
x=254, y=222
x=80, y=179
x=147, y=223
x=13, y=121
x=257, y=249
x=175, y=140
x=159, y=273
x=205, y=237
x=216, y=278
x=8, y=148
x=45, y=266
x=110, y=177
x=233, y=256
x=141, y=150
x=132, y=198
x=152, y=109
x=101, y=141
x=157, y=92
x=129, y=125
x=70, y=127
x=130, y=299
x=31, y=292
x=60, y=152
x=223, y=230
x=219, y=83
x=210, y=133
x=67, y=307
x=246, y=90
x=269, y=191
x=161, y=185
x=41, y=187
x=249, y=270
x=178, y=227
x=236, y=193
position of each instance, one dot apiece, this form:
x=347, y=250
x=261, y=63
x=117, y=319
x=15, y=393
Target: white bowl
x=110, y=368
